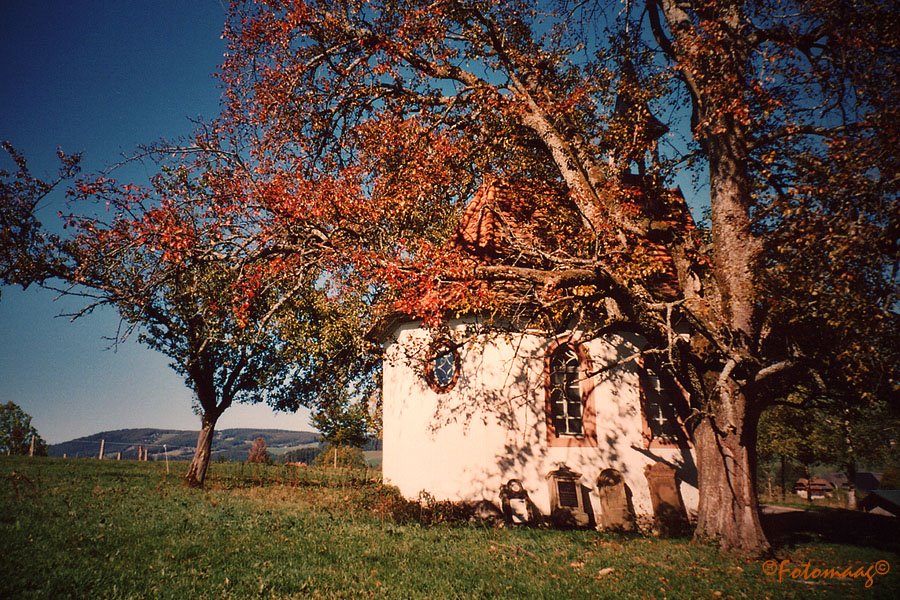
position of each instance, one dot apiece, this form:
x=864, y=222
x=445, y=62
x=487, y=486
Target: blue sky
x=100, y=77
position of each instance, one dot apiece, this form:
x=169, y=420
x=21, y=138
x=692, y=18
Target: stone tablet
x=670, y=517
x=615, y=510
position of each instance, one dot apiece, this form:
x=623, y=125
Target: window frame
x=649, y=371
x=588, y=435
x=435, y=350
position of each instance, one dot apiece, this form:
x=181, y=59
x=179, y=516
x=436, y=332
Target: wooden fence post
x=31, y=446
x=102, y=446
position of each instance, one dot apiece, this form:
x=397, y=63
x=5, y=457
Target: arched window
x=570, y=415
x=565, y=391
x=442, y=369
x=662, y=427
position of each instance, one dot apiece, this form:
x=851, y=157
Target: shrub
x=347, y=456
x=258, y=453
x=388, y=503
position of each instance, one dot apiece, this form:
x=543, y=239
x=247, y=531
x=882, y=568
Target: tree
x=160, y=267
x=790, y=432
x=17, y=435
x=385, y=116
x=343, y=423
x=813, y=430
x=24, y=243
x=259, y=453
x=890, y=479
x=161, y=256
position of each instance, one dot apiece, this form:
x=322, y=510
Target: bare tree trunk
x=783, y=480
x=196, y=475
x=851, y=488
x=729, y=510
x=726, y=442
x=735, y=250
x=809, y=498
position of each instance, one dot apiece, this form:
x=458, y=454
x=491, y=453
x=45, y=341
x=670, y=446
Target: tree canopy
x=17, y=435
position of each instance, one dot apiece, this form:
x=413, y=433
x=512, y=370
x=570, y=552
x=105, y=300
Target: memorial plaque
x=568, y=494
x=670, y=517
x=616, y=513
x=518, y=511
x=567, y=507
x=517, y=506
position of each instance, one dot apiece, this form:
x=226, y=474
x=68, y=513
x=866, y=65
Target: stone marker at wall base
x=567, y=498
x=670, y=517
x=517, y=506
x=615, y=511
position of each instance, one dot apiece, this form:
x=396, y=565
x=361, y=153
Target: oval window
x=443, y=368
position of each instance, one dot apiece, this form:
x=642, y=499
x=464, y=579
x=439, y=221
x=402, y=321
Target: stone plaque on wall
x=517, y=506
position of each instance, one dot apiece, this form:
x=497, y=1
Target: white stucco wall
x=464, y=444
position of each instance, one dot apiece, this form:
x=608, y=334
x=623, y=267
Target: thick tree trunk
x=196, y=475
x=725, y=444
x=735, y=249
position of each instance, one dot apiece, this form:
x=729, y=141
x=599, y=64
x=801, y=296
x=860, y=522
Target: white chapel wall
x=464, y=444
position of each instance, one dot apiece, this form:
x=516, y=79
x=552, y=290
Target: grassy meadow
x=92, y=529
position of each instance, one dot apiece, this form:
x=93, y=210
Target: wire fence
x=106, y=450
x=236, y=473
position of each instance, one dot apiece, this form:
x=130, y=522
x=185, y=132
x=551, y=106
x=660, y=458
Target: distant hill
x=228, y=444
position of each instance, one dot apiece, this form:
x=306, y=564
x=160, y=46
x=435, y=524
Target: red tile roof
x=505, y=216
x=520, y=223
x=504, y=219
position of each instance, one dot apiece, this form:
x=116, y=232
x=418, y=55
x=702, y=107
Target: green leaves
x=17, y=436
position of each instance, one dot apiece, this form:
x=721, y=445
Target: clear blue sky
x=100, y=77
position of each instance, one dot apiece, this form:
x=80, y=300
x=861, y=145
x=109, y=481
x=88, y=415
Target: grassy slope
x=125, y=529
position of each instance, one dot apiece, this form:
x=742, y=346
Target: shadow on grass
x=832, y=526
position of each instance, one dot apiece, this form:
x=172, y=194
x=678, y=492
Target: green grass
x=84, y=528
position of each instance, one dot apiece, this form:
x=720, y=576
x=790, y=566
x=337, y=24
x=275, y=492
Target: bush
x=259, y=454
x=388, y=503
x=16, y=432
x=347, y=457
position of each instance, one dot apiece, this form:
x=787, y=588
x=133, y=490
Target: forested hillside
x=228, y=444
